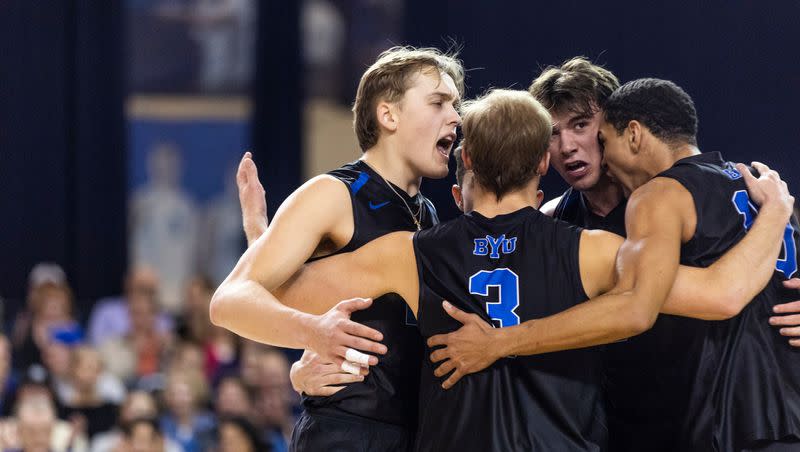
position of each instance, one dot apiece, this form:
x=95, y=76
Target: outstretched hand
x=464, y=351
x=252, y=198
x=337, y=339
x=788, y=318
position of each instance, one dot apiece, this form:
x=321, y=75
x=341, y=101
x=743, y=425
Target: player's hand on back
x=252, y=198
x=315, y=377
x=337, y=339
x=768, y=191
x=464, y=351
x=788, y=315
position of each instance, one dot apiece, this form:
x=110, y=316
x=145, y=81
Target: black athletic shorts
x=316, y=432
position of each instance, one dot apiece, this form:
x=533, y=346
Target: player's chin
x=437, y=171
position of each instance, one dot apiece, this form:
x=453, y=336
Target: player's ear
x=459, y=200
x=466, y=157
x=634, y=135
x=544, y=164
x=539, y=198
x=387, y=115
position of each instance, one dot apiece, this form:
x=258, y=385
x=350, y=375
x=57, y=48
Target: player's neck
x=486, y=203
x=393, y=168
x=604, y=197
x=664, y=157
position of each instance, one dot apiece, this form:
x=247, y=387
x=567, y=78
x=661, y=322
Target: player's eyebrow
x=580, y=117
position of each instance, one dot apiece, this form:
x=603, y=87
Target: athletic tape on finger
x=356, y=357
x=351, y=368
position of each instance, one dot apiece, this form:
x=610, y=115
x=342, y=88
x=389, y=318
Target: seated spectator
x=41, y=274
x=138, y=404
x=220, y=346
x=185, y=422
x=142, y=435
x=35, y=423
x=233, y=398
x=51, y=307
x=273, y=407
x=142, y=351
x=237, y=434
x=57, y=357
x=110, y=317
x=37, y=396
x=87, y=405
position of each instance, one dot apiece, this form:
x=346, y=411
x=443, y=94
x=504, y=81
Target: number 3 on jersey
x=786, y=265
x=507, y=283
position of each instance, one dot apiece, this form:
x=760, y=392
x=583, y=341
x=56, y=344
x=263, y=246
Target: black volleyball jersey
x=572, y=208
x=508, y=269
x=646, y=400
x=389, y=393
x=745, y=376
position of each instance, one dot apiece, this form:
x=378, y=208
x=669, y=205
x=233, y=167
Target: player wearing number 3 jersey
x=510, y=265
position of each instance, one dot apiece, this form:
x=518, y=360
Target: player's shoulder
x=659, y=192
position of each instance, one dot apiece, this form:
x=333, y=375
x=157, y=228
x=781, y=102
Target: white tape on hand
x=356, y=357
x=351, y=368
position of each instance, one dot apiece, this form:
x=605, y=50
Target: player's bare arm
x=309, y=222
x=384, y=265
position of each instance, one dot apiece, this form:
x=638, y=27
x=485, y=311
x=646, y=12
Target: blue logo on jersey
x=494, y=246
x=732, y=173
x=377, y=206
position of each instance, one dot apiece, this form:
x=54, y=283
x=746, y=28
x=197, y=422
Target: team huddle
x=632, y=313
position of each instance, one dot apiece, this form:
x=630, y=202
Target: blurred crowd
x=135, y=376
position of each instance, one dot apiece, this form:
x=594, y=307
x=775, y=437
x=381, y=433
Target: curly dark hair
x=660, y=105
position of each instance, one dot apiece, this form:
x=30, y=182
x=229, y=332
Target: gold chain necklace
x=416, y=217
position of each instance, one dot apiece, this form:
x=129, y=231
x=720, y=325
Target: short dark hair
x=577, y=85
x=660, y=105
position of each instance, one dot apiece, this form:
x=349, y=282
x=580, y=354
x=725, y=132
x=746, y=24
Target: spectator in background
x=110, y=317
x=8, y=380
x=35, y=423
x=233, y=398
x=142, y=435
x=38, y=397
x=41, y=274
x=142, y=351
x=51, y=307
x=87, y=405
x=57, y=358
x=275, y=398
x=163, y=225
x=237, y=434
x=220, y=347
x=185, y=422
x=138, y=405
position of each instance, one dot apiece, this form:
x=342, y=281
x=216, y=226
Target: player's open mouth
x=445, y=144
x=577, y=168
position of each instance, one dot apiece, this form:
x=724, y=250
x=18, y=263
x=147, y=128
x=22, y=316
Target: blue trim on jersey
x=356, y=186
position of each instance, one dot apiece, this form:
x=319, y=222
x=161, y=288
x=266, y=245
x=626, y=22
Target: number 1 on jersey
x=788, y=264
x=507, y=283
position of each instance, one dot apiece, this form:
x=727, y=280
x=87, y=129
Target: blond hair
x=388, y=79
x=506, y=134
